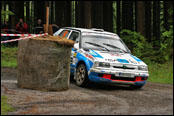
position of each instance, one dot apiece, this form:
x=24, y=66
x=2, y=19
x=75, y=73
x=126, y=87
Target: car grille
x=124, y=67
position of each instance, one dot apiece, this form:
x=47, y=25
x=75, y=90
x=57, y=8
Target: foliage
x=4, y=106
x=166, y=45
x=137, y=44
x=5, y=13
x=146, y=51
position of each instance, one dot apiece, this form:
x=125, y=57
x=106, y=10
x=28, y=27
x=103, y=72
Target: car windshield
x=105, y=43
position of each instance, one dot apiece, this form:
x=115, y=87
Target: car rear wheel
x=81, y=75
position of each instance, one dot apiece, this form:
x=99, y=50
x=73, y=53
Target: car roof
x=94, y=30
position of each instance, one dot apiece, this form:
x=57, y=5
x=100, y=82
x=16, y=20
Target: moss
x=58, y=39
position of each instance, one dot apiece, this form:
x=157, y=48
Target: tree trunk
x=148, y=20
x=166, y=15
x=127, y=15
x=140, y=13
x=28, y=16
x=97, y=8
x=19, y=10
x=13, y=21
x=76, y=13
x=108, y=16
x=68, y=13
x=65, y=13
x=87, y=14
x=40, y=11
x=52, y=13
x=79, y=14
x=118, y=18
x=156, y=20
x=59, y=12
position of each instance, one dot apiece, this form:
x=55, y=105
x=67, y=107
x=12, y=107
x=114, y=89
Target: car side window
x=75, y=36
x=64, y=33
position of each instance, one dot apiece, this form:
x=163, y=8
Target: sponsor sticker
x=134, y=62
x=75, y=54
x=110, y=60
x=115, y=54
x=122, y=61
x=89, y=56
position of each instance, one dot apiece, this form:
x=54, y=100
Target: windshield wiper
x=97, y=45
x=114, y=47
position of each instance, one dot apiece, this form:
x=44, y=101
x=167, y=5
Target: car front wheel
x=81, y=75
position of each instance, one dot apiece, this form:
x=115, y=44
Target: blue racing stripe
x=137, y=59
x=73, y=49
x=95, y=54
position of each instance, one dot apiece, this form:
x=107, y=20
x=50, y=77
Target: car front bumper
x=96, y=75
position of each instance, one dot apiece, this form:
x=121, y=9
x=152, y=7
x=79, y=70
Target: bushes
x=166, y=44
x=137, y=44
x=144, y=50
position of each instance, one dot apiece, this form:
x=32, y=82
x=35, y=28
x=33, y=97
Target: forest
x=145, y=26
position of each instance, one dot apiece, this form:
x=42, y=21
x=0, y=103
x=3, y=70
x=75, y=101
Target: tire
x=135, y=87
x=81, y=75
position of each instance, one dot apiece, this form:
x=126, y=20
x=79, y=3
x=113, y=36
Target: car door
x=75, y=36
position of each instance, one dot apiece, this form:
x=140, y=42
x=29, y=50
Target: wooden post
x=47, y=27
x=47, y=20
x=50, y=29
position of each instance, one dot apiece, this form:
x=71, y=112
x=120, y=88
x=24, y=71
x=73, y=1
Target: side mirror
x=76, y=46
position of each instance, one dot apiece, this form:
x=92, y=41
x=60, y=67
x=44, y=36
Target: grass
x=5, y=107
x=159, y=73
x=8, y=56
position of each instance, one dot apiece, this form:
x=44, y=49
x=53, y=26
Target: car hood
x=115, y=57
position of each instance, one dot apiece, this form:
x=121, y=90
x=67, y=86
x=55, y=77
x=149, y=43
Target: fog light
x=106, y=76
x=138, y=78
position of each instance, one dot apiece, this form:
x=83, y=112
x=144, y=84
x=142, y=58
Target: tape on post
x=36, y=35
x=17, y=34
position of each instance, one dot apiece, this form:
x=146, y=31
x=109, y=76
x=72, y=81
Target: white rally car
x=102, y=57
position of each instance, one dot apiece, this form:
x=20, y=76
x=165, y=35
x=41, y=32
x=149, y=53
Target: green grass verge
x=5, y=107
x=8, y=56
x=161, y=73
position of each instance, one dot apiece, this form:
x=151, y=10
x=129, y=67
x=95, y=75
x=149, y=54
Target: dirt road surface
x=95, y=99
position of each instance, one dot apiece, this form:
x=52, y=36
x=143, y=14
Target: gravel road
x=152, y=99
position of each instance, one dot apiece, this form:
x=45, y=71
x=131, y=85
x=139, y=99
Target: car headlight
x=102, y=64
x=144, y=68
